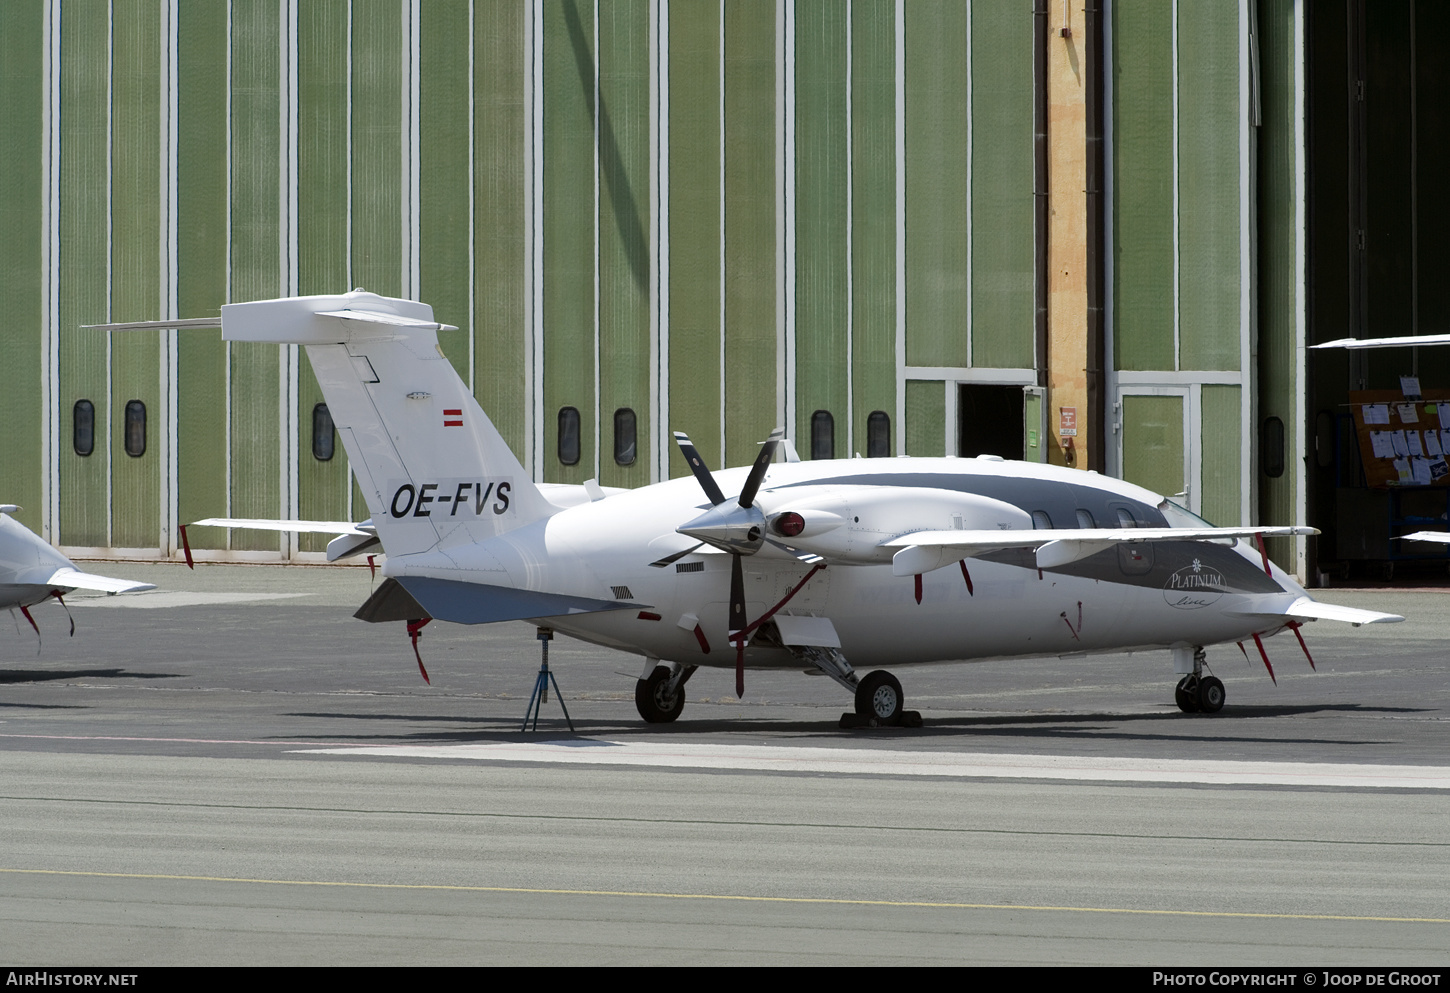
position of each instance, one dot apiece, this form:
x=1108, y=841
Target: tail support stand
x=541, y=686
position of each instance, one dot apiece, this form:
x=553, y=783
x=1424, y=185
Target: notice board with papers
x=1403, y=442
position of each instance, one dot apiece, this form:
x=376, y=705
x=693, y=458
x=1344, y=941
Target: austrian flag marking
x=453, y=418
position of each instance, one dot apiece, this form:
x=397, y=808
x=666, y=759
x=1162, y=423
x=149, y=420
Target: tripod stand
x=540, y=695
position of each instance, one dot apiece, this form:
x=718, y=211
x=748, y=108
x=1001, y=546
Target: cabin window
x=1041, y=521
x=625, y=436
x=324, y=433
x=878, y=435
x=1125, y=518
x=1271, y=447
x=823, y=435
x=135, y=428
x=83, y=427
x=1085, y=519
x=569, y=435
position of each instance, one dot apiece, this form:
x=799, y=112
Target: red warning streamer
x=739, y=636
x=1295, y=626
x=1264, y=553
x=26, y=611
x=186, y=546
x=413, y=628
x=61, y=600
x=1265, y=656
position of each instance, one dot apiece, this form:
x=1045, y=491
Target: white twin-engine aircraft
x=836, y=566
x=32, y=572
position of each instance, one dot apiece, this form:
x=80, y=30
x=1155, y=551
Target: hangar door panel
x=1153, y=443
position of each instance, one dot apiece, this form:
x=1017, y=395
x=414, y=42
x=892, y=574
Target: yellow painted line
x=727, y=896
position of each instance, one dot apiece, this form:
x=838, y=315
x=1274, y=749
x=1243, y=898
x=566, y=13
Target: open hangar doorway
x=1377, y=237
x=1006, y=420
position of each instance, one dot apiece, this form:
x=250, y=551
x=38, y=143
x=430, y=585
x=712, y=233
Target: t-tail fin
x=434, y=470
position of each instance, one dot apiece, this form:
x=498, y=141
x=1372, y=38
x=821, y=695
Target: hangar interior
x=1095, y=235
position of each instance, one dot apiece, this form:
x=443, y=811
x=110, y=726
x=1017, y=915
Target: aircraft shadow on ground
x=1216, y=728
x=50, y=675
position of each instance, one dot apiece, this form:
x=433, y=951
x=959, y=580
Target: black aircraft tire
x=1186, y=695
x=1210, y=695
x=651, y=701
x=879, y=696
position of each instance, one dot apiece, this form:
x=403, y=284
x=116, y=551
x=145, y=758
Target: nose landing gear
x=878, y=697
x=1197, y=693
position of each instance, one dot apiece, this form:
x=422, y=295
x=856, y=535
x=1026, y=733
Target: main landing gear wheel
x=1210, y=695
x=653, y=699
x=1186, y=695
x=879, y=696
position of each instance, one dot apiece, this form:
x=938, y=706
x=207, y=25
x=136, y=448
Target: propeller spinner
x=737, y=528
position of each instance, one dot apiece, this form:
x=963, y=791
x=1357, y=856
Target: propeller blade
x=698, y=467
x=737, y=594
x=757, y=471
x=668, y=559
x=737, y=619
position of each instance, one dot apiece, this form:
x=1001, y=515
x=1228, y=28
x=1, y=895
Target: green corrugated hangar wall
x=720, y=216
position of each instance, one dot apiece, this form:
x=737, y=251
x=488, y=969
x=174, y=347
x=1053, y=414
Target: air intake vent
x=689, y=567
x=622, y=593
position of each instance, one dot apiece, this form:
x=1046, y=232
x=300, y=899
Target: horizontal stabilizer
x=378, y=317
x=1306, y=609
x=297, y=527
x=412, y=597
x=182, y=324
x=105, y=584
x=1055, y=546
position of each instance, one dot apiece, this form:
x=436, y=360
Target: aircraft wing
x=85, y=581
x=1312, y=610
x=1411, y=340
x=299, y=527
x=923, y=551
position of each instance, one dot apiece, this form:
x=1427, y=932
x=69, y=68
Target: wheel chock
x=856, y=722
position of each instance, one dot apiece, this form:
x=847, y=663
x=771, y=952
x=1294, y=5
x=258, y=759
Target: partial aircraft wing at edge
x=1411, y=340
x=105, y=584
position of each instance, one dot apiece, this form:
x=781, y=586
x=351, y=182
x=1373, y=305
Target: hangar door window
x=625, y=436
x=878, y=435
x=83, y=427
x=569, y=444
x=324, y=433
x=135, y=428
x=823, y=435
